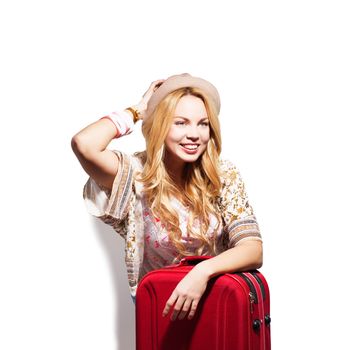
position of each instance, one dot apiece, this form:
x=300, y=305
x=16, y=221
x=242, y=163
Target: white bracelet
x=123, y=122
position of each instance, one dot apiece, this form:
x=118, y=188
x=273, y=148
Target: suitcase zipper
x=267, y=317
x=252, y=300
x=253, y=297
x=258, y=324
x=261, y=284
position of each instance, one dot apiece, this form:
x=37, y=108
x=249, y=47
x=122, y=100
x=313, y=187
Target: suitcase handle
x=189, y=261
x=193, y=260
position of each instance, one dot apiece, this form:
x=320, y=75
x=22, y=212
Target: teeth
x=190, y=147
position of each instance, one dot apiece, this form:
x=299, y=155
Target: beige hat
x=175, y=82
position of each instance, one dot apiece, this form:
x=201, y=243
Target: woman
x=177, y=198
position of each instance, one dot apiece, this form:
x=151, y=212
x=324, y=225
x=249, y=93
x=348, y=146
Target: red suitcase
x=233, y=313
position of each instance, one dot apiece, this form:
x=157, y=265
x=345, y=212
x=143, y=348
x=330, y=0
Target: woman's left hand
x=187, y=293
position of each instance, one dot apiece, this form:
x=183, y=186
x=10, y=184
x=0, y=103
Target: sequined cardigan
x=121, y=208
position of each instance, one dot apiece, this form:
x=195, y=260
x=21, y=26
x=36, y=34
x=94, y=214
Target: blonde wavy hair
x=202, y=181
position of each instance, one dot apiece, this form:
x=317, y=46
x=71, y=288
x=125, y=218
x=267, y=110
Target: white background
x=282, y=69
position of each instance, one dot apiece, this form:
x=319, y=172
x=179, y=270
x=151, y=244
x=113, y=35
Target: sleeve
x=240, y=223
x=111, y=206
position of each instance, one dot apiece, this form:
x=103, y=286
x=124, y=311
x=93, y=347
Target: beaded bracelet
x=135, y=113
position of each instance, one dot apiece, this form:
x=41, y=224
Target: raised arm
x=89, y=145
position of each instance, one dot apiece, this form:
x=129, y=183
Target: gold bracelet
x=135, y=114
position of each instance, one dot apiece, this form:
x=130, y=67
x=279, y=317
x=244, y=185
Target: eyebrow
x=179, y=116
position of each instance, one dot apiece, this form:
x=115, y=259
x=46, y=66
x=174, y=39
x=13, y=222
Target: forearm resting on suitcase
x=243, y=257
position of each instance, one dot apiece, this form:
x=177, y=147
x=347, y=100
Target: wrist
x=134, y=112
x=122, y=121
x=204, y=269
x=129, y=112
x=141, y=107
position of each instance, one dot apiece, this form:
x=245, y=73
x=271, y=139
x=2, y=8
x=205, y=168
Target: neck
x=175, y=169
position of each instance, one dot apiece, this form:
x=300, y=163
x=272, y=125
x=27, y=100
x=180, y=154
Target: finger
x=177, y=307
x=156, y=82
x=193, y=309
x=155, y=85
x=185, y=309
x=169, y=304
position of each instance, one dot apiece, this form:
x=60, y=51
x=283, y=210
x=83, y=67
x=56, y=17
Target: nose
x=193, y=133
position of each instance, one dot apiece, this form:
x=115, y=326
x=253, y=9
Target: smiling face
x=190, y=127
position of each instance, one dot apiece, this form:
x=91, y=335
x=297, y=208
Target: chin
x=180, y=155
x=189, y=158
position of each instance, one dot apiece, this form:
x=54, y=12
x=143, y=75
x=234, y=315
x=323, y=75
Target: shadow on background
x=124, y=325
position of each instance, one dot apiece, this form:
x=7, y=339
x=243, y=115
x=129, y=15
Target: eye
x=182, y=123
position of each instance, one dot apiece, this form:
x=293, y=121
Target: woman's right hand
x=142, y=105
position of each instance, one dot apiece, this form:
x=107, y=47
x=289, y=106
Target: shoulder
x=233, y=198
x=232, y=184
x=139, y=158
x=228, y=171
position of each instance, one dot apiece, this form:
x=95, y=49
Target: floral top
x=158, y=249
x=146, y=243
